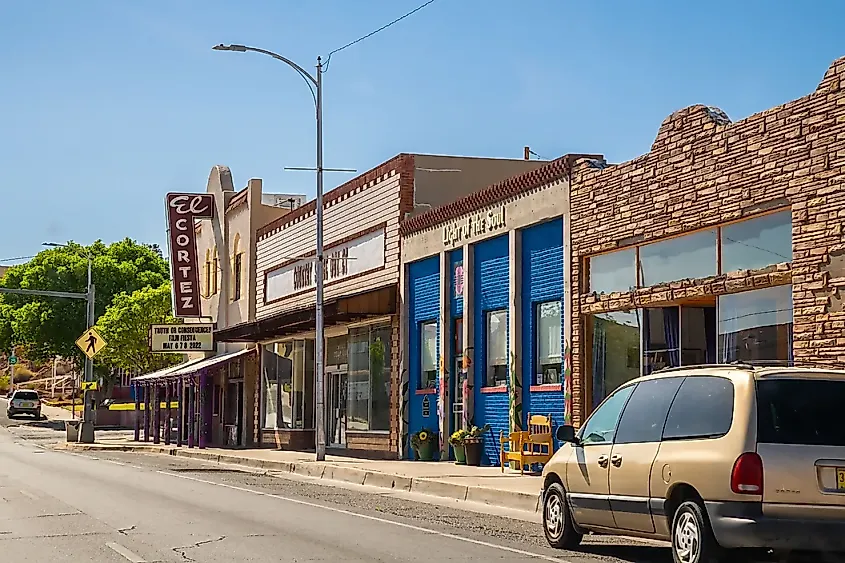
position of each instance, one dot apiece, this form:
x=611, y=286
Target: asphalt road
x=62, y=506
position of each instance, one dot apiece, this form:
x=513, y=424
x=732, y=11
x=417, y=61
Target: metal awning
x=165, y=372
x=209, y=362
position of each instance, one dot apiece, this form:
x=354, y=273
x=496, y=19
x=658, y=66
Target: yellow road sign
x=91, y=343
x=89, y=386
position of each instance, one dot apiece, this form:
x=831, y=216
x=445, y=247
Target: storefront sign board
x=182, y=211
x=193, y=337
x=473, y=226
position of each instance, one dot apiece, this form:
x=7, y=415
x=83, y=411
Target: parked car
x=24, y=401
x=711, y=458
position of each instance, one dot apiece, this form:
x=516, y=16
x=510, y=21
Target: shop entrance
x=456, y=392
x=336, y=412
x=232, y=413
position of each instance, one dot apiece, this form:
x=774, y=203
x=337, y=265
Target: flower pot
x=460, y=454
x=473, y=450
x=425, y=451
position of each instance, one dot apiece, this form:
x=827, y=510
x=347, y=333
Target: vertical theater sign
x=182, y=211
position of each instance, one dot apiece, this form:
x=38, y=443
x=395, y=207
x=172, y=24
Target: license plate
x=840, y=478
x=26, y=405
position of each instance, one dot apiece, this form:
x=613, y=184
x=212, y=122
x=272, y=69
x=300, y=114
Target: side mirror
x=566, y=433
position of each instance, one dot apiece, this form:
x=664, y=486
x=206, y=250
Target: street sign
x=13, y=360
x=89, y=386
x=91, y=343
x=189, y=337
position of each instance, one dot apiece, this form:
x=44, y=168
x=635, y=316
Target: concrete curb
x=328, y=471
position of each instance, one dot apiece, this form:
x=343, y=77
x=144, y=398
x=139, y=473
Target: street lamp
x=87, y=410
x=319, y=327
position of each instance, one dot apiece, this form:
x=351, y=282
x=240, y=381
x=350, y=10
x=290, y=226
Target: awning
x=206, y=363
x=165, y=372
x=346, y=309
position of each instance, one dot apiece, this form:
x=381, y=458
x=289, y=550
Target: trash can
x=72, y=429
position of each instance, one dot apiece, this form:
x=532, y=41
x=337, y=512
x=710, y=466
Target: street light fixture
x=317, y=82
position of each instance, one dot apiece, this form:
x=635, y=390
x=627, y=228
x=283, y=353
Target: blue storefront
x=486, y=304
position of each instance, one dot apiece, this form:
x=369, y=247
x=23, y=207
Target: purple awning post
x=180, y=412
x=157, y=420
x=137, y=391
x=168, y=417
x=192, y=404
x=201, y=409
x=147, y=405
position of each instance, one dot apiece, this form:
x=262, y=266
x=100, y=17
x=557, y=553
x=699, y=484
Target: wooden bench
x=536, y=445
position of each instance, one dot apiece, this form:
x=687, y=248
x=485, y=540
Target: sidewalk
x=487, y=485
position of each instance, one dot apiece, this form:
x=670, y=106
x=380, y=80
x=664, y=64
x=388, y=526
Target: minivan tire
x=692, y=537
x=557, y=520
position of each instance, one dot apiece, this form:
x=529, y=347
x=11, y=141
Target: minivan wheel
x=692, y=537
x=557, y=521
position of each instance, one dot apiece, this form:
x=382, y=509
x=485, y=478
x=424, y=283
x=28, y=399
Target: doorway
x=456, y=392
x=232, y=413
x=337, y=383
x=679, y=335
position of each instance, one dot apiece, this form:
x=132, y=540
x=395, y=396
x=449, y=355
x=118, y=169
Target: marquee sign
x=182, y=210
x=193, y=337
x=358, y=256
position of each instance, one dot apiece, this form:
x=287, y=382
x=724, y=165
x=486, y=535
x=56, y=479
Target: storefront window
x=368, y=403
x=690, y=256
x=549, y=340
x=756, y=325
x=661, y=334
x=428, y=355
x=336, y=350
x=615, y=271
x=497, y=349
x=275, y=377
x=616, y=351
x=757, y=243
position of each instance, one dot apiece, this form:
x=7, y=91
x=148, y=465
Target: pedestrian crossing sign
x=91, y=343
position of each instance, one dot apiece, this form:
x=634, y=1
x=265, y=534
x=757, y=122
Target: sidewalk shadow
x=49, y=424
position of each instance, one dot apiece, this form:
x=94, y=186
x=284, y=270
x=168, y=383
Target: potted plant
x=457, y=440
x=473, y=445
x=424, y=443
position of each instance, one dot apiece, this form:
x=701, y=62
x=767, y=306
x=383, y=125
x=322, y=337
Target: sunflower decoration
x=423, y=437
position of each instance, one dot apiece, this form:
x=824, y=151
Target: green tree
x=48, y=327
x=125, y=327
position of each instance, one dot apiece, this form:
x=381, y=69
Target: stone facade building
x=730, y=232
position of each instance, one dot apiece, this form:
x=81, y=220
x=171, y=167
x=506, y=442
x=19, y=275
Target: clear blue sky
x=109, y=104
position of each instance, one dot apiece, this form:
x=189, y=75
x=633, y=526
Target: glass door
x=337, y=381
x=456, y=393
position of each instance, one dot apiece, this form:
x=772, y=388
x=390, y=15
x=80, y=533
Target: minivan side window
x=601, y=427
x=703, y=408
x=645, y=414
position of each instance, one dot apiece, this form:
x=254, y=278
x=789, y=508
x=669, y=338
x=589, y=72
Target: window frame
x=430, y=382
x=489, y=367
x=540, y=374
x=237, y=275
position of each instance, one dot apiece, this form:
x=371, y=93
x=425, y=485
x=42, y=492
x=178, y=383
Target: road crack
x=182, y=550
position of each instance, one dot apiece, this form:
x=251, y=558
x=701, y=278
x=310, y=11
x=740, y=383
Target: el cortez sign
x=182, y=211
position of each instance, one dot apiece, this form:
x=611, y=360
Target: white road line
x=114, y=462
x=375, y=519
x=125, y=552
x=28, y=494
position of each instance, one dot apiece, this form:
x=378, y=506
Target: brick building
x=722, y=243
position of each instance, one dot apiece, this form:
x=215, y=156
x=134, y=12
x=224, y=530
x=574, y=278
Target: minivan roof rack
x=734, y=365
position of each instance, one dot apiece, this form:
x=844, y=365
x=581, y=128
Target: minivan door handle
x=616, y=460
x=602, y=461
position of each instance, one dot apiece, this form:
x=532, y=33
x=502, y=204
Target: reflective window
x=601, y=427
x=288, y=384
x=615, y=271
x=645, y=414
x=703, y=408
x=428, y=355
x=548, y=361
x=800, y=412
x=368, y=379
x=616, y=351
x=756, y=325
x=690, y=256
x=497, y=348
x=757, y=243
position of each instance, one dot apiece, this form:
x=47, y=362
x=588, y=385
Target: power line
x=16, y=258
x=382, y=28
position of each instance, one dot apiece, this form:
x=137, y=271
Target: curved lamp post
x=317, y=82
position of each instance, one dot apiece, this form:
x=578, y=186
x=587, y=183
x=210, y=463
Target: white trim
x=369, y=322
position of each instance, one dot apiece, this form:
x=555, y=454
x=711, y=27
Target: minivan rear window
x=26, y=395
x=800, y=412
